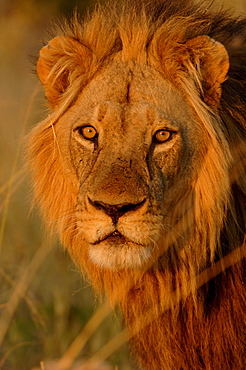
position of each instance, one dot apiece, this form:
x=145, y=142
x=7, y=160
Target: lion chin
x=116, y=252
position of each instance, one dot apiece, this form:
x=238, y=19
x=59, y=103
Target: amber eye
x=162, y=135
x=88, y=132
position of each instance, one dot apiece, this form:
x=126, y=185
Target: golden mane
x=207, y=328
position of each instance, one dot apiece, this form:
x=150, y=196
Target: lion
x=140, y=169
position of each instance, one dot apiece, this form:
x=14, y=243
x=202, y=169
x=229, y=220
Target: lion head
x=136, y=163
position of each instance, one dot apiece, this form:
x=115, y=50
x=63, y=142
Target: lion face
x=131, y=145
x=126, y=142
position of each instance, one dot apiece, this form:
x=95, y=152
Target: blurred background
x=46, y=308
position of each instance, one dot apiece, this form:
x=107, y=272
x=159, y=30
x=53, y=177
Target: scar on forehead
x=100, y=111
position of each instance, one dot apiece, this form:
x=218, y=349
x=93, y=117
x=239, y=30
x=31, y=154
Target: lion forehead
x=140, y=91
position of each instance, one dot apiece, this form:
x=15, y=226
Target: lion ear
x=208, y=62
x=59, y=63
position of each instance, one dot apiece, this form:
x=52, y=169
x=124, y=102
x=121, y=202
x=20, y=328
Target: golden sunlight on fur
x=140, y=168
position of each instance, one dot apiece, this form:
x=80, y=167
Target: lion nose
x=115, y=211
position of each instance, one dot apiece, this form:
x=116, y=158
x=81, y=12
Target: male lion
x=140, y=168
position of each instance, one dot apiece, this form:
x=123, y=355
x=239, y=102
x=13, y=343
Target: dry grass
x=45, y=307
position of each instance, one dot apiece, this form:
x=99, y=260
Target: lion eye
x=88, y=132
x=162, y=135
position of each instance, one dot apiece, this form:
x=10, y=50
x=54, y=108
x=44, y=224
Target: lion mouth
x=116, y=239
x=113, y=238
x=115, y=251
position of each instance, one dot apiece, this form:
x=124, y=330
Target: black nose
x=115, y=211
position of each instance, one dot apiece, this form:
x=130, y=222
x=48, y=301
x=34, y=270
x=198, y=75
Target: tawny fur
x=173, y=324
